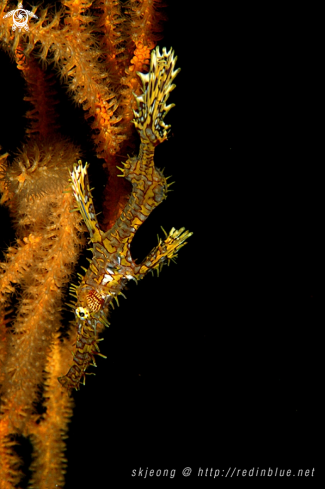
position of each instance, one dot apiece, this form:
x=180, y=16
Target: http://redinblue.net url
x=267, y=472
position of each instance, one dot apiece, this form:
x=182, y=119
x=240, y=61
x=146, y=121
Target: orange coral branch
x=43, y=268
x=49, y=466
x=40, y=93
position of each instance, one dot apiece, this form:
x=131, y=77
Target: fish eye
x=82, y=313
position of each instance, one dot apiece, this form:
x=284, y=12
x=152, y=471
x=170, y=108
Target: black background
x=217, y=363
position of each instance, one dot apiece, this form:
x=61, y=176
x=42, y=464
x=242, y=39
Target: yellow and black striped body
x=112, y=265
